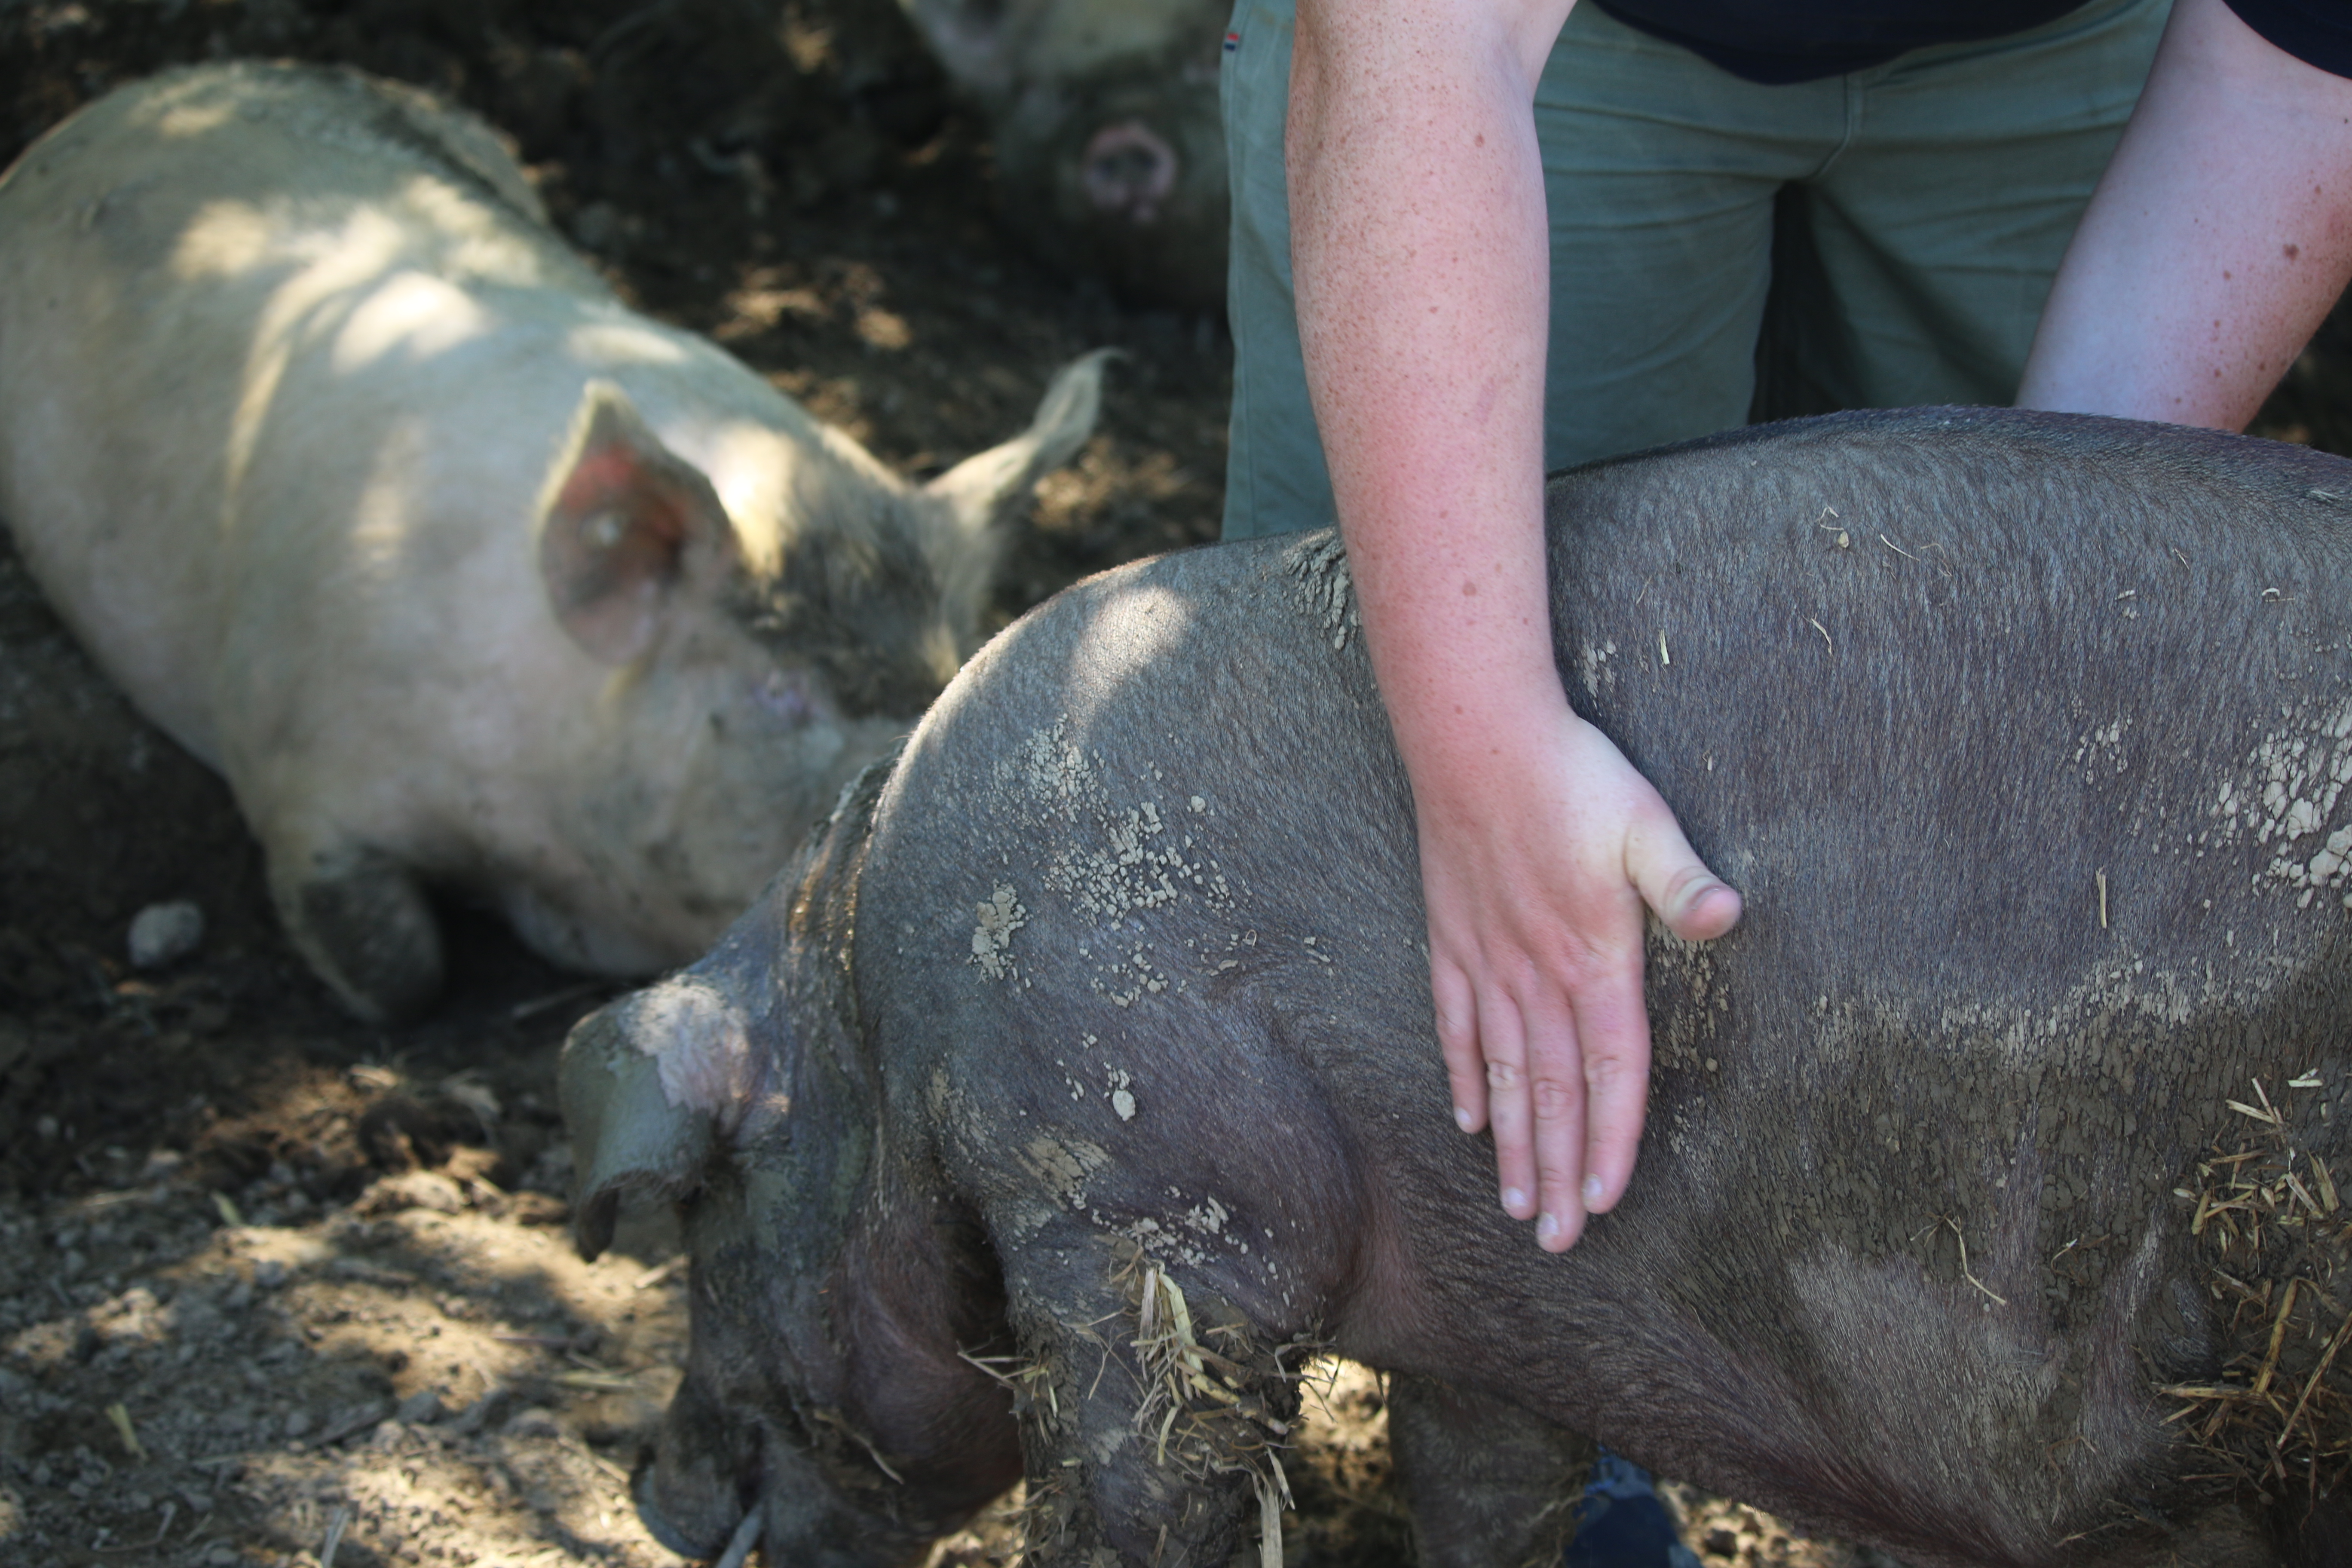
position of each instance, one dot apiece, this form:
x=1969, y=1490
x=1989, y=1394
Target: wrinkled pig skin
x=1109, y=146
x=369, y=491
x=2027, y=739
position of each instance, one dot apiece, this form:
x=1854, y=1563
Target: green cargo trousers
x=1724, y=251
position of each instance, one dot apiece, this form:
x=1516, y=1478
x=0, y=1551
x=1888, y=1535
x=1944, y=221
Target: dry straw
x=1212, y=1411
x=2277, y=1243
x=1206, y=1409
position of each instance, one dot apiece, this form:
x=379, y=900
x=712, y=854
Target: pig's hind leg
x=1151, y=1419
x=1487, y=1484
x=364, y=922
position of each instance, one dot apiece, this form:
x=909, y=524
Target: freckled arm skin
x=1419, y=247
x=2217, y=239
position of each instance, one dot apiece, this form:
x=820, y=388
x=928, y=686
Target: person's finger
x=1557, y=1094
x=1695, y=903
x=1457, y=1037
x=1503, y=1042
x=1614, y=1038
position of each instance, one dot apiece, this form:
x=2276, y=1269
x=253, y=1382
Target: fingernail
x=1461, y=1117
x=1548, y=1227
x=1514, y=1198
x=1592, y=1191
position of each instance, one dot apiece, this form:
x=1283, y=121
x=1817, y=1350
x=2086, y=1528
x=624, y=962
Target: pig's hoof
x=686, y=1544
x=369, y=932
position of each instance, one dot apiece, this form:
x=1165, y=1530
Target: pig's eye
x=791, y=697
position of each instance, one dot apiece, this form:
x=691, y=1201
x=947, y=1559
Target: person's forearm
x=2217, y=239
x=1419, y=247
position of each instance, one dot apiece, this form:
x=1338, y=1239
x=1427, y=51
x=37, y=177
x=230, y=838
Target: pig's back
x=1962, y=644
x=2030, y=785
x=2028, y=740
x=174, y=252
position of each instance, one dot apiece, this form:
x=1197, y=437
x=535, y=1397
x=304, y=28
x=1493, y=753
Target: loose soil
x=278, y=1288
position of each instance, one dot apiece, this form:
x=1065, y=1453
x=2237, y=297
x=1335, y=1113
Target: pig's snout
x=1128, y=169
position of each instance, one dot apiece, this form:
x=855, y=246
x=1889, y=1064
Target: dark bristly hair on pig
x=1080, y=1075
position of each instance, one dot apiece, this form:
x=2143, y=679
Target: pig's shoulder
x=1262, y=597
x=1248, y=649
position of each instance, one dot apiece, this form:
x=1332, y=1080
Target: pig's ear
x=980, y=490
x=623, y=524
x=646, y=1085
x=968, y=38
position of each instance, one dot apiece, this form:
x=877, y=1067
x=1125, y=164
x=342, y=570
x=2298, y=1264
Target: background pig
x=1078, y=1078
x=373, y=495
x=1109, y=143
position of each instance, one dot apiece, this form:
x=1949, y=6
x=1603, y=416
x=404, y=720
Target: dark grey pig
x=1078, y=1081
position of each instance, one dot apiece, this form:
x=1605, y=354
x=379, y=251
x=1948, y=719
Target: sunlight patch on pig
x=411, y=312
x=620, y=342
x=184, y=119
x=369, y=244
x=478, y=239
x=384, y=515
x=1136, y=634
x=366, y=245
x=224, y=238
x=759, y=481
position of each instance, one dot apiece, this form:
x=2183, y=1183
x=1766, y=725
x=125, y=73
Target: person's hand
x=1419, y=244
x=1536, y=859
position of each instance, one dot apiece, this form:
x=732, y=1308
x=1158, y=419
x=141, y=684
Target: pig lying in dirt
x=1109, y=147
x=1078, y=1080
x=371, y=494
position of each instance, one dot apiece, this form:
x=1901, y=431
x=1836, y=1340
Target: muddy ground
x=278, y=1288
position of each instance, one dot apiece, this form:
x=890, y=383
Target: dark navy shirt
x=1810, y=39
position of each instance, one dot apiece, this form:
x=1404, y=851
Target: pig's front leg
x=363, y=921
x=1149, y=1418
x=1487, y=1483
